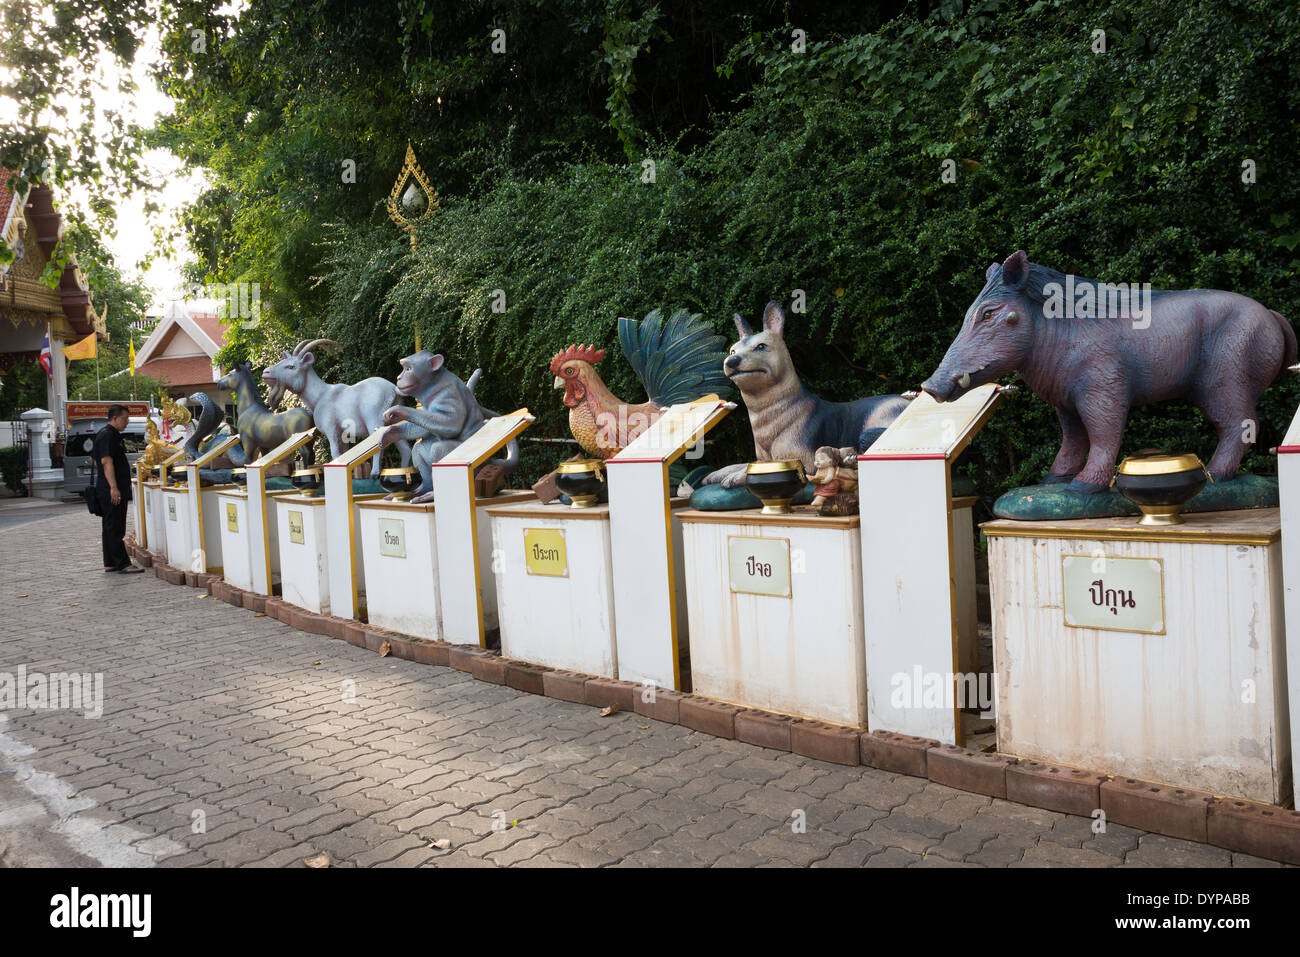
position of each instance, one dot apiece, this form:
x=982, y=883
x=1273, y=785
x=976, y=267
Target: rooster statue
x=677, y=360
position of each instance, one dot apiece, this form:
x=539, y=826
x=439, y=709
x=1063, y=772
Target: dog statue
x=788, y=421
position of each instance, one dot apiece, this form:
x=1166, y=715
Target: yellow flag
x=85, y=349
x=131, y=349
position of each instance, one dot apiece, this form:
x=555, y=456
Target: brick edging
x=1262, y=830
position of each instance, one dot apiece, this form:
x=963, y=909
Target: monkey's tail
x=511, y=461
x=473, y=380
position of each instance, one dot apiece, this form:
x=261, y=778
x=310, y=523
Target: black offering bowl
x=179, y=475
x=308, y=480
x=1160, y=484
x=775, y=484
x=159, y=474
x=581, y=480
x=400, y=482
x=239, y=477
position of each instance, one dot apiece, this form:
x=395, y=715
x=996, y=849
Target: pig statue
x=1095, y=350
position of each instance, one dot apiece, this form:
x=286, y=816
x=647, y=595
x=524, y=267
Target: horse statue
x=260, y=429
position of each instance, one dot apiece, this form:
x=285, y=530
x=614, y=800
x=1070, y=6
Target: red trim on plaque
x=913, y=456
x=654, y=460
x=1287, y=449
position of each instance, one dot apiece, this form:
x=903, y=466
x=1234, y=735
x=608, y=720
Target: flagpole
x=99, y=394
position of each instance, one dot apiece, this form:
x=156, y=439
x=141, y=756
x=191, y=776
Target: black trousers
x=114, y=520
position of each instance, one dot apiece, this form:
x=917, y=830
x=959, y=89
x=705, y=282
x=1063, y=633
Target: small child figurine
x=836, y=475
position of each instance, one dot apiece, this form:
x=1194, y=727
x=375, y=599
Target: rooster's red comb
x=585, y=353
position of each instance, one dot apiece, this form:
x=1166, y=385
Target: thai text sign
x=1114, y=594
x=759, y=566
x=392, y=537
x=295, y=527
x=544, y=552
x=171, y=509
x=232, y=517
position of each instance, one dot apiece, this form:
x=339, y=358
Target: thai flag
x=47, y=357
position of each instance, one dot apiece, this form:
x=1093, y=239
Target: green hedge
x=13, y=467
x=1124, y=166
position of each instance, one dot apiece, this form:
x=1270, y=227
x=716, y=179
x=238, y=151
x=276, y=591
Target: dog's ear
x=774, y=318
x=742, y=326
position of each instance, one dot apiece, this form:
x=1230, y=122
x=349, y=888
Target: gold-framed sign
x=545, y=553
x=759, y=566
x=1113, y=594
x=295, y=528
x=392, y=537
x=171, y=510
x=232, y=517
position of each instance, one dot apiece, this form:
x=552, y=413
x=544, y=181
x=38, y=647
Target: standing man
x=113, y=487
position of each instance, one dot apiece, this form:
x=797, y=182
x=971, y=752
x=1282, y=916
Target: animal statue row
x=1220, y=350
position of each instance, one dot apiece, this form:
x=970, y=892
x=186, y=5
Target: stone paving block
x=354, y=633
x=429, y=652
x=891, y=751
x=524, y=676
x=565, y=685
x=1174, y=812
x=606, y=692
x=968, y=770
x=825, y=742
x=461, y=657
x=1255, y=829
x=764, y=729
x=488, y=667
x=1156, y=850
x=708, y=716
x=1068, y=790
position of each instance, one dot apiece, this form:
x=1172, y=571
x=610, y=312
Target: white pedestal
x=1202, y=705
x=399, y=547
x=178, y=526
x=240, y=553
x=803, y=654
x=563, y=621
x=211, y=517
x=155, y=517
x=1288, y=477
x=304, y=558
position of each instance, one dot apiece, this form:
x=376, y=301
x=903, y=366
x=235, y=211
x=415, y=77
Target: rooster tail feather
x=678, y=360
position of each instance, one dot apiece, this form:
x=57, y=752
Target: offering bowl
x=239, y=477
x=400, y=482
x=775, y=484
x=581, y=480
x=308, y=480
x=1160, y=484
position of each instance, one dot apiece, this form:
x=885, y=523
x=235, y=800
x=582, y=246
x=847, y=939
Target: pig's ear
x=742, y=326
x=774, y=318
x=1015, y=271
x=993, y=267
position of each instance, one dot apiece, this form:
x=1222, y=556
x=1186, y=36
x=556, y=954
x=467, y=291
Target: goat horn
x=308, y=344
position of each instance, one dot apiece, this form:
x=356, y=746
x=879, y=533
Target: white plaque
x=1114, y=594
x=759, y=566
x=392, y=537
x=171, y=509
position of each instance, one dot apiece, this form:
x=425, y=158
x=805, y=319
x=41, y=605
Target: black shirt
x=108, y=443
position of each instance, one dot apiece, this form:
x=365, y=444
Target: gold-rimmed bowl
x=581, y=480
x=1160, y=484
x=308, y=480
x=400, y=482
x=775, y=484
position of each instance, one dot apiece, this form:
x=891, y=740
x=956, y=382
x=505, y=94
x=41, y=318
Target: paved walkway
x=231, y=739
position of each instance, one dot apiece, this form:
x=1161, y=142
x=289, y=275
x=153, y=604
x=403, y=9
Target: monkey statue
x=448, y=415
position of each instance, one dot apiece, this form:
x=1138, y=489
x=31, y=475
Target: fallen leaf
x=22, y=596
x=320, y=860
x=441, y=844
x=606, y=712
x=260, y=614
x=384, y=649
x=644, y=727
x=318, y=662
x=72, y=603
